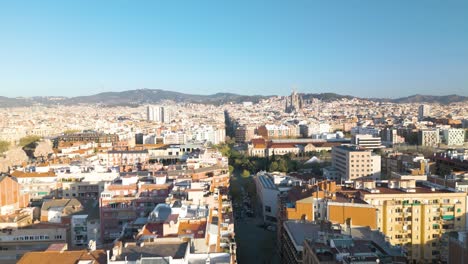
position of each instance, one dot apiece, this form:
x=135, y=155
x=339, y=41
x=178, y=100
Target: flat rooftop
x=419, y=189
x=133, y=252
x=352, y=148
x=215, y=258
x=364, y=233
x=299, y=231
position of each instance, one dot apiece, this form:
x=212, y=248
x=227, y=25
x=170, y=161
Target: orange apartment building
x=11, y=198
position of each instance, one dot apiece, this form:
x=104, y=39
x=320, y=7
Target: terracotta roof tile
x=65, y=257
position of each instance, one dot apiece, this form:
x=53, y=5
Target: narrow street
x=255, y=244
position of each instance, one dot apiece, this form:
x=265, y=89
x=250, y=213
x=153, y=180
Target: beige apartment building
x=354, y=163
x=417, y=217
x=14, y=242
x=244, y=134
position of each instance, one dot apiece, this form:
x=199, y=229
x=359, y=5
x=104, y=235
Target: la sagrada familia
x=294, y=103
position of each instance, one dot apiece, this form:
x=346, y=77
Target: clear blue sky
x=364, y=48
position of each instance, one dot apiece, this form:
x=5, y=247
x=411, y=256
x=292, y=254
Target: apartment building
x=278, y=131
x=458, y=247
x=454, y=136
x=306, y=202
x=128, y=198
x=244, y=134
x=19, y=218
x=303, y=242
x=391, y=137
x=83, y=190
x=424, y=111
x=174, y=138
x=206, y=133
x=11, y=198
x=413, y=164
x=417, y=217
x=334, y=247
x=37, y=185
x=161, y=114
x=428, y=137
x=126, y=157
x=367, y=141
x=14, y=242
x=353, y=162
x=84, y=227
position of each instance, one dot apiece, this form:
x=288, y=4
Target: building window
x=267, y=208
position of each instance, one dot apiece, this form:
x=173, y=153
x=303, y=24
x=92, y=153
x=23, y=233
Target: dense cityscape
x=282, y=180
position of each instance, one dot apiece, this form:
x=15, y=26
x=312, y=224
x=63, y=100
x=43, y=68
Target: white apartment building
x=429, y=137
x=175, y=138
x=159, y=114
x=367, y=141
x=454, y=136
x=215, y=135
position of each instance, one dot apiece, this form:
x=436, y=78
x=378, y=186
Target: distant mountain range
x=152, y=96
x=144, y=96
x=419, y=98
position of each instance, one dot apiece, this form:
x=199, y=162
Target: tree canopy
x=245, y=173
x=4, y=146
x=28, y=140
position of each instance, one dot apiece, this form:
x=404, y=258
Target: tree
x=224, y=149
x=4, y=146
x=292, y=165
x=71, y=131
x=231, y=169
x=273, y=166
x=235, y=189
x=245, y=173
x=28, y=140
x=283, y=165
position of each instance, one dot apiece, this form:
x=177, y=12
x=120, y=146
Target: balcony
x=80, y=229
x=448, y=217
x=80, y=242
x=115, y=209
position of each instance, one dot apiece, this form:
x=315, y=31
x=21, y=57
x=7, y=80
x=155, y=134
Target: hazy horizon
x=253, y=94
